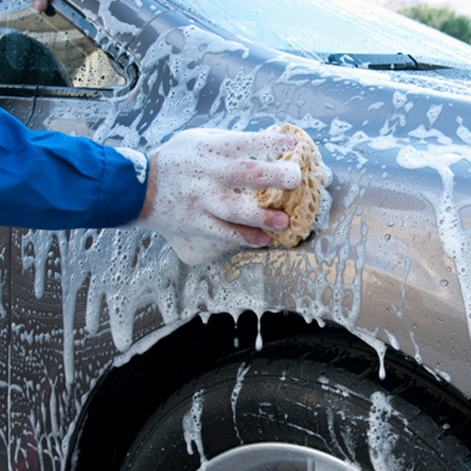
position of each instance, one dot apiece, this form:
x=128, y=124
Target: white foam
x=243, y=370
x=192, y=428
x=132, y=270
x=197, y=172
x=455, y=239
x=381, y=438
x=139, y=161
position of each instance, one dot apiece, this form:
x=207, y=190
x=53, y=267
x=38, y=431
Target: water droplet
x=259, y=340
x=444, y=283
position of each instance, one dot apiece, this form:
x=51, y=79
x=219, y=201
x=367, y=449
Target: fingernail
x=292, y=176
x=280, y=222
x=264, y=239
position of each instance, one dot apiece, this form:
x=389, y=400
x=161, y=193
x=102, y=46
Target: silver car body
x=389, y=261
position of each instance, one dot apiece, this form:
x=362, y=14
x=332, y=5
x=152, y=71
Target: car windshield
x=320, y=27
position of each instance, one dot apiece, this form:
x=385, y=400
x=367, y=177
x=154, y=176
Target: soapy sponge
x=303, y=202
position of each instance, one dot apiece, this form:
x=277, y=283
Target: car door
x=52, y=76
x=5, y=249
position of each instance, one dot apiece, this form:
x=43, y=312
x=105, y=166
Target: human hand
x=200, y=197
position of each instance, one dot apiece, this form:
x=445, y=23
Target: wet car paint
x=383, y=264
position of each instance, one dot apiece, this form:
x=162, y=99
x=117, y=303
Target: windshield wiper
x=382, y=62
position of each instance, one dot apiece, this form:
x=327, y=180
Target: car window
x=36, y=49
x=318, y=28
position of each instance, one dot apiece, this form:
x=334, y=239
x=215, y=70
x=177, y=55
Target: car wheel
x=301, y=406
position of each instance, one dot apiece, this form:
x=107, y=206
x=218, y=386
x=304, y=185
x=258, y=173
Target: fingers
x=283, y=175
x=244, y=210
x=253, y=237
x=275, y=220
x=194, y=205
x=201, y=248
x=234, y=144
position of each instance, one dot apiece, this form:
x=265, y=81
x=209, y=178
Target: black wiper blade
x=382, y=62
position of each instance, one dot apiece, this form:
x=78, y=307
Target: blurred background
x=453, y=17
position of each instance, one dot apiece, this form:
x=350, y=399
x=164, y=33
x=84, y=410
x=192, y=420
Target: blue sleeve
x=49, y=180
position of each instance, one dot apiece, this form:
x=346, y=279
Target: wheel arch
x=108, y=424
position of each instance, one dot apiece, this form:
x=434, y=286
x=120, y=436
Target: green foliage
x=443, y=19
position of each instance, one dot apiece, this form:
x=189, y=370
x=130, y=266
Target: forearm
x=50, y=180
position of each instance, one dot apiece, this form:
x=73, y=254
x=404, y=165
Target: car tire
x=299, y=405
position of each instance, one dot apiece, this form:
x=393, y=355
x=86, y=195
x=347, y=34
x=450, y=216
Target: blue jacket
x=49, y=180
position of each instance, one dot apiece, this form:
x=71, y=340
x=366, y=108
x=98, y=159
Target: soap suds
x=192, y=428
x=381, y=438
x=128, y=271
x=243, y=370
x=198, y=171
x=455, y=239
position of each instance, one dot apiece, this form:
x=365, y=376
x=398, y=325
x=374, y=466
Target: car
x=348, y=352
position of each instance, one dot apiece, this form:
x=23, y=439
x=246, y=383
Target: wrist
x=151, y=189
